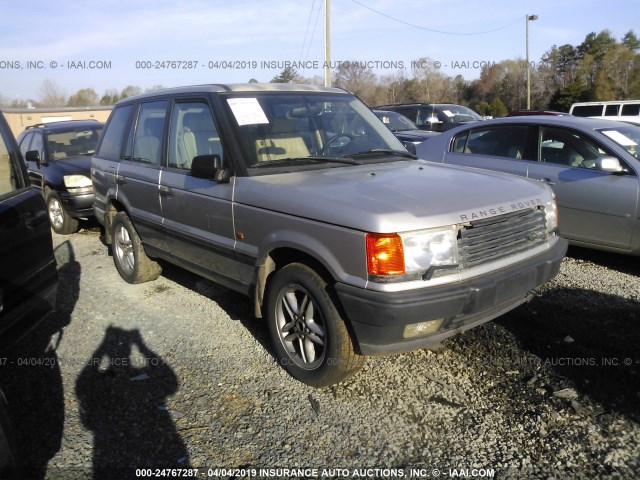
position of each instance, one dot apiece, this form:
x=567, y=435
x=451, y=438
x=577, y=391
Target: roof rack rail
x=42, y=125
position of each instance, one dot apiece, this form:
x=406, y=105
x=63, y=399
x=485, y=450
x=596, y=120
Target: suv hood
x=391, y=197
x=73, y=166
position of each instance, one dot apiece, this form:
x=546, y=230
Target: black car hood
x=73, y=166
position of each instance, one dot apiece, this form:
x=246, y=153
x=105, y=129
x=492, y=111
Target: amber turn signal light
x=385, y=254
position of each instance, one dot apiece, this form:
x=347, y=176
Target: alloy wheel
x=124, y=249
x=301, y=327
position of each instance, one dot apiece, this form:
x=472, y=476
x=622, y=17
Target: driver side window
x=566, y=147
x=37, y=145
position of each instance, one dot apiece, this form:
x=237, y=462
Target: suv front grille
x=498, y=237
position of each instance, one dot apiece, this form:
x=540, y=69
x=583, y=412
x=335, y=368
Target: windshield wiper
x=381, y=151
x=294, y=160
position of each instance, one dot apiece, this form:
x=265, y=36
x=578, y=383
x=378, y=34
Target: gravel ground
x=177, y=373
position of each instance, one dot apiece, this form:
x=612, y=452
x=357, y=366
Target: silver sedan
x=592, y=165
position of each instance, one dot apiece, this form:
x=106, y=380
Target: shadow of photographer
x=122, y=392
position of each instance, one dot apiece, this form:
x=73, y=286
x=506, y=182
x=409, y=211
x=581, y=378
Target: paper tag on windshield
x=247, y=111
x=619, y=138
x=448, y=113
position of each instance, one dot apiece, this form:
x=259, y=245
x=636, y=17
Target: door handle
x=166, y=191
x=120, y=180
x=35, y=219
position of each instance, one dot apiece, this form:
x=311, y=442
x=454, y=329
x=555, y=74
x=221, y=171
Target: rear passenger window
x=460, y=142
x=147, y=144
x=587, y=110
x=611, y=110
x=425, y=116
x=8, y=175
x=631, y=109
x=111, y=145
x=192, y=133
x=509, y=141
x=410, y=113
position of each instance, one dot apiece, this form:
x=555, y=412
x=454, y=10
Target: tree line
x=600, y=68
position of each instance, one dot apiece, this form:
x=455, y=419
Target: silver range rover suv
x=301, y=198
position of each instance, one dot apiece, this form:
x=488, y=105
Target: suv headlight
x=411, y=252
x=78, y=184
x=429, y=248
x=551, y=211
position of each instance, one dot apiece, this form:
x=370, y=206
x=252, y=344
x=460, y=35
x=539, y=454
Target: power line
x=304, y=42
x=313, y=33
x=431, y=29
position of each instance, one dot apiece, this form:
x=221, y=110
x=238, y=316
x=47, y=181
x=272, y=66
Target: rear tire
x=308, y=334
x=61, y=222
x=128, y=253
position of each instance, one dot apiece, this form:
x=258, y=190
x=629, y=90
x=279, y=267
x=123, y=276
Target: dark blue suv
x=58, y=157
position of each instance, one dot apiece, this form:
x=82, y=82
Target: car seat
x=281, y=142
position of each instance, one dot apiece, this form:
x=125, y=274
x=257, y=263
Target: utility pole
x=528, y=18
x=327, y=45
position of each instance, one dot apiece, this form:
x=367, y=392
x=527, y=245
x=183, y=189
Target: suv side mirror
x=34, y=156
x=609, y=164
x=410, y=146
x=210, y=167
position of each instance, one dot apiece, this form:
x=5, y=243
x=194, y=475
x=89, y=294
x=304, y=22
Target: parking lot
x=177, y=373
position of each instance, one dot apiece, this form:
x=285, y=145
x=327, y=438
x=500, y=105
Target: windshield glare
x=77, y=142
x=627, y=137
x=395, y=121
x=294, y=127
x=458, y=114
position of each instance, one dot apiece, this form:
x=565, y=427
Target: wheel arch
x=113, y=207
x=47, y=187
x=278, y=258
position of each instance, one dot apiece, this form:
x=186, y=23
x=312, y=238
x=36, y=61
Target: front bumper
x=77, y=206
x=377, y=319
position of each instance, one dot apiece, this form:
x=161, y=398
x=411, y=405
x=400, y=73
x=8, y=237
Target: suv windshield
x=75, y=142
x=627, y=137
x=309, y=129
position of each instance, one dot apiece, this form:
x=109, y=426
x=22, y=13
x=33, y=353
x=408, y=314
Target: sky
x=112, y=44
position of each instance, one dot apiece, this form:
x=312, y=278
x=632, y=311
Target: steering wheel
x=344, y=138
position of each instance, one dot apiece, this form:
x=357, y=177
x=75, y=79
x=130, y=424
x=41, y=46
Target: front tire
x=128, y=253
x=61, y=222
x=309, y=336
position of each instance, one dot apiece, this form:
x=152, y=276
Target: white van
x=621, y=110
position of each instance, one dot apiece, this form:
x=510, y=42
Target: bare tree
x=130, y=91
x=51, y=95
x=357, y=78
x=432, y=85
